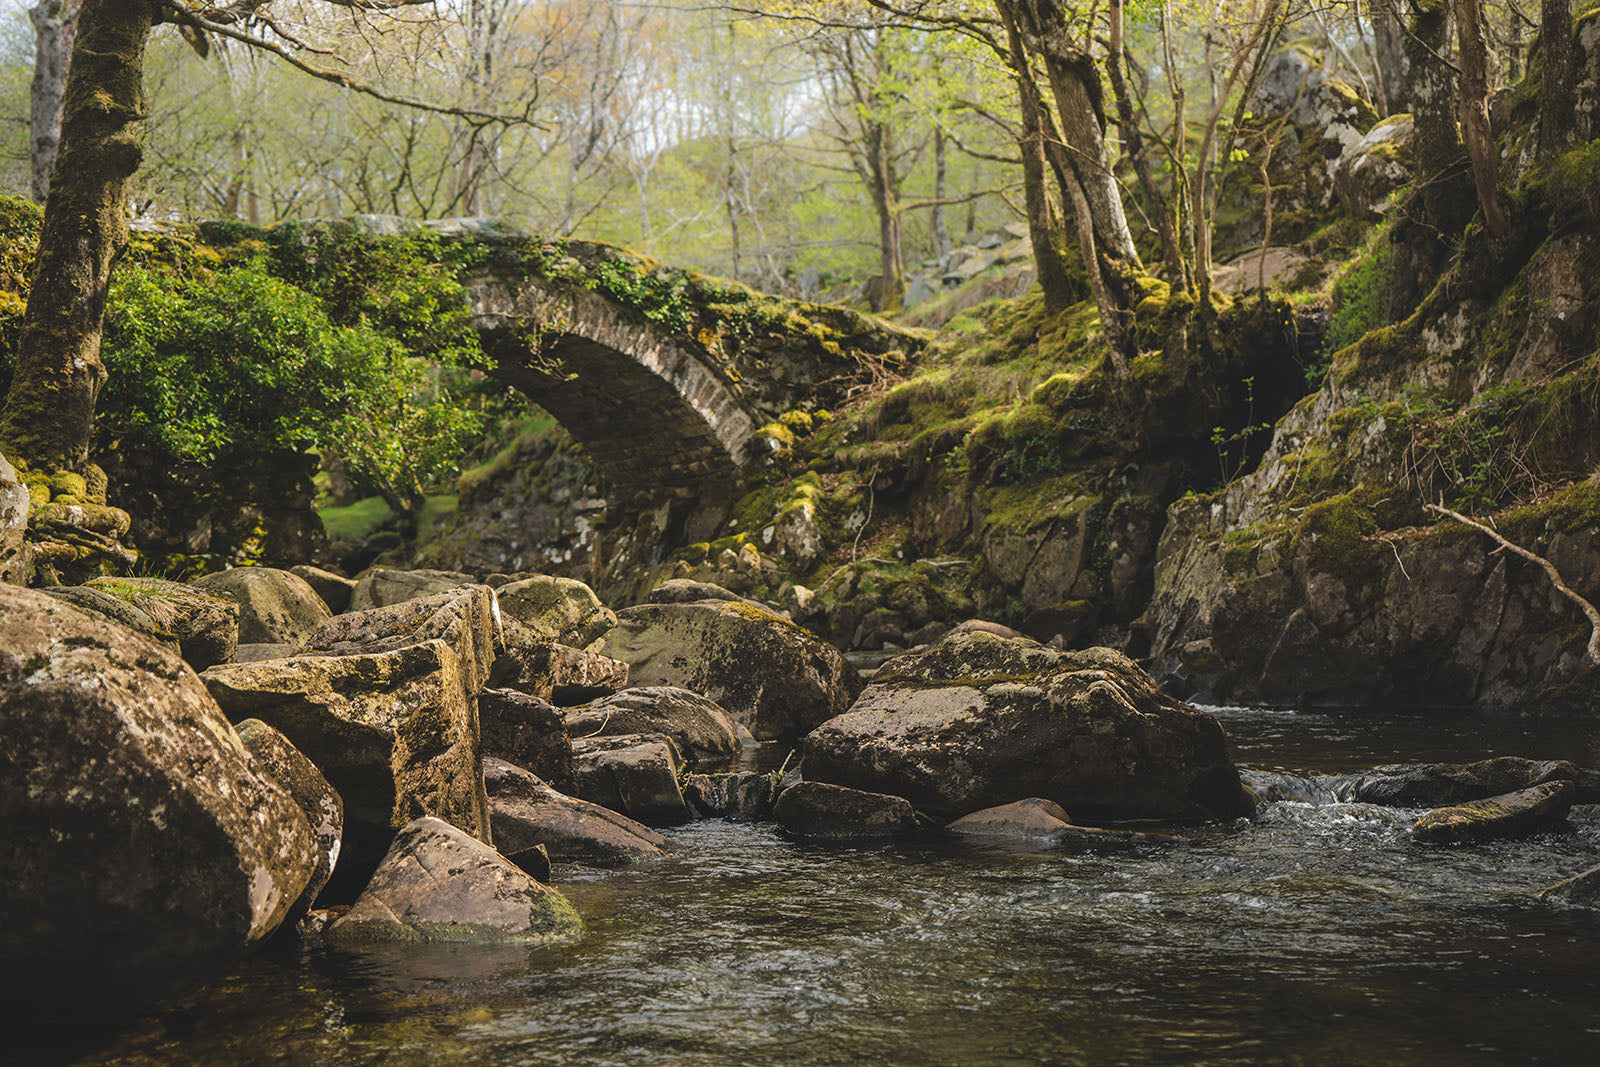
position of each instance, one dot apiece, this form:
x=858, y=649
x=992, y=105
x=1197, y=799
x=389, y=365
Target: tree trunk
x=1558, y=60
x=1475, y=111
x=54, y=24
x=1155, y=203
x=1389, y=44
x=941, y=225
x=1435, y=144
x=1044, y=219
x=49, y=411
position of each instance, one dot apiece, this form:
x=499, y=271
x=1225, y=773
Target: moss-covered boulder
x=438, y=884
x=318, y=800
x=383, y=587
x=395, y=732
x=979, y=720
x=204, y=629
x=528, y=813
x=1527, y=811
x=1434, y=785
x=817, y=810
x=533, y=664
x=558, y=609
x=275, y=607
x=1374, y=167
x=466, y=618
x=334, y=589
x=527, y=731
x=635, y=774
x=769, y=674
x=144, y=850
x=701, y=729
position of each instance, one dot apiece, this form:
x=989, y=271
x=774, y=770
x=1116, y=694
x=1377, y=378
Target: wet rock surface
x=1434, y=785
x=1527, y=811
x=744, y=796
x=134, y=817
x=1041, y=822
x=441, y=885
x=831, y=812
x=1581, y=890
x=979, y=720
x=635, y=774
x=528, y=813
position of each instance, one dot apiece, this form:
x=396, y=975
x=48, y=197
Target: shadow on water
x=1318, y=933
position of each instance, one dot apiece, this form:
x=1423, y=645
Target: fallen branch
x=1589, y=610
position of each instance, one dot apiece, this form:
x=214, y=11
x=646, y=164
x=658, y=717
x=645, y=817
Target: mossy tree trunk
x=1044, y=216
x=1430, y=87
x=1474, y=52
x=49, y=412
x=54, y=25
x=1558, y=71
x=1133, y=143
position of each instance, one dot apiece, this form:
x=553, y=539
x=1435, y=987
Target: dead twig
x=1589, y=610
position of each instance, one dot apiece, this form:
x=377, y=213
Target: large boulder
x=1374, y=167
x=319, y=802
x=774, y=677
x=528, y=732
x=1527, y=811
x=393, y=731
x=14, y=504
x=528, y=813
x=466, y=618
x=566, y=675
x=334, y=589
x=439, y=884
x=832, y=812
x=144, y=852
x=204, y=629
x=702, y=731
x=558, y=609
x=382, y=588
x=979, y=720
x=635, y=774
x=1436, y=785
x=275, y=607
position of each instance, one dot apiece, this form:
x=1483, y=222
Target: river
x=1316, y=934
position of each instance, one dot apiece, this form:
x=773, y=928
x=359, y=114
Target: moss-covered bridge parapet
x=666, y=376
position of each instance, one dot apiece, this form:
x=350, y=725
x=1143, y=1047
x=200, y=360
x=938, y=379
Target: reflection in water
x=1317, y=933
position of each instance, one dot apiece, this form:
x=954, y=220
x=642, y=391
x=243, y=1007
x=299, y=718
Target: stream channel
x=1316, y=933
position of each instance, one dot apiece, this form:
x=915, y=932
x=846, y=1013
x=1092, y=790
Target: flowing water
x=1318, y=933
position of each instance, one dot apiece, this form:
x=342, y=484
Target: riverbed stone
x=979, y=720
x=384, y=587
x=203, y=628
x=144, y=850
x=438, y=884
x=1437, y=785
x=318, y=800
x=528, y=732
x=834, y=812
x=769, y=674
x=635, y=774
x=1042, y=822
x=1527, y=811
x=561, y=610
x=275, y=606
x=334, y=589
x=527, y=813
x=743, y=796
x=1581, y=890
x=394, y=732
x=700, y=727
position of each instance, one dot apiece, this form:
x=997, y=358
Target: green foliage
x=355, y=521
x=1361, y=302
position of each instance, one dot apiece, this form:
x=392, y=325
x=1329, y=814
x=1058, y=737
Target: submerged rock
x=819, y=810
x=1527, y=811
x=144, y=851
x=979, y=720
x=635, y=774
x=527, y=814
x=769, y=674
x=1043, y=822
x=528, y=732
x=1581, y=890
x=318, y=801
x=1434, y=785
x=275, y=607
x=439, y=884
x=700, y=728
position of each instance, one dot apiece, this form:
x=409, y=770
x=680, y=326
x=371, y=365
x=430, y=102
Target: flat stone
x=527, y=813
x=819, y=810
x=466, y=618
x=441, y=885
x=1527, y=811
x=699, y=727
x=275, y=607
